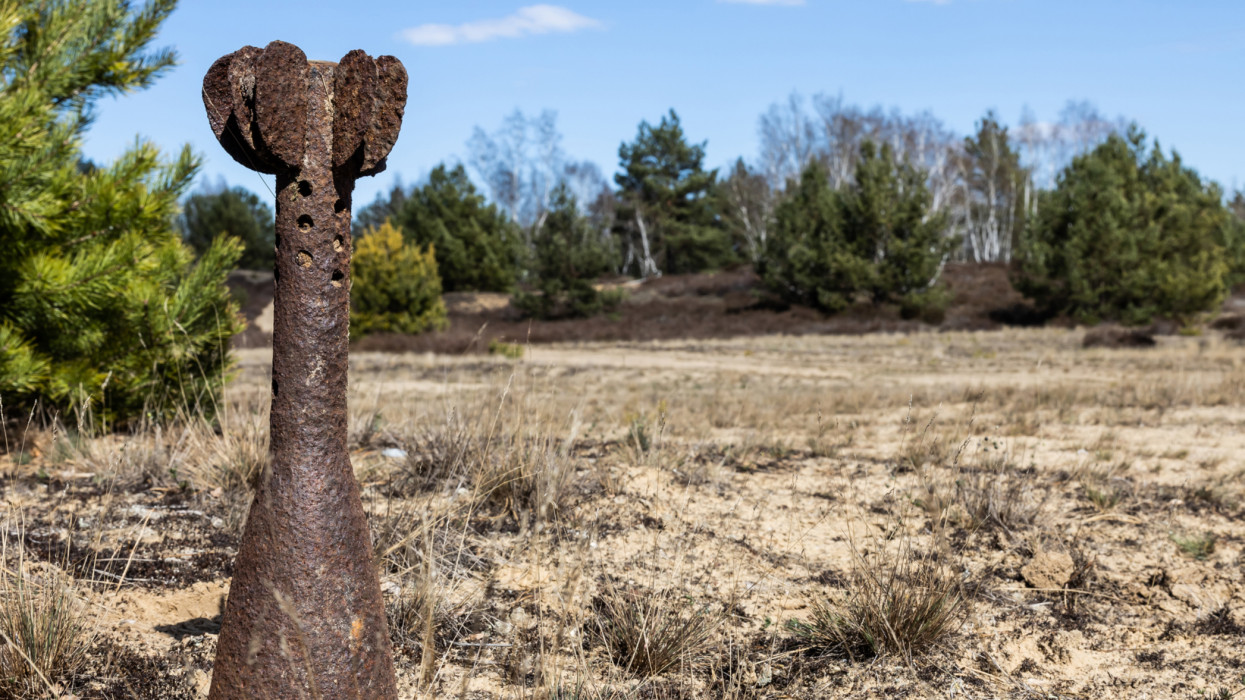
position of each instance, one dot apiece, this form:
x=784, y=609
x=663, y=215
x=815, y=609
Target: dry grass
x=512, y=455
x=922, y=444
x=438, y=451
x=897, y=601
x=44, y=634
x=650, y=633
x=527, y=471
x=983, y=487
x=152, y=455
x=700, y=464
x=581, y=689
x=426, y=553
x=1004, y=500
x=436, y=573
x=231, y=453
x=646, y=433
x=994, y=492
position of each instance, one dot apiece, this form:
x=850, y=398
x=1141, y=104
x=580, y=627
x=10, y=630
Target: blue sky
x=1175, y=67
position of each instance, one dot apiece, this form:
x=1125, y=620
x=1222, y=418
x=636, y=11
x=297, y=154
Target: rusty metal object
x=305, y=617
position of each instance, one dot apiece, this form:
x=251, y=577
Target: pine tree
x=1127, y=235
x=384, y=208
x=1233, y=241
x=237, y=212
x=477, y=247
x=394, y=286
x=101, y=304
x=666, y=214
x=807, y=260
x=569, y=254
x=875, y=239
x=886, y=214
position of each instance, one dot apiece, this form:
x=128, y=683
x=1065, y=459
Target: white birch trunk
x=648, y=267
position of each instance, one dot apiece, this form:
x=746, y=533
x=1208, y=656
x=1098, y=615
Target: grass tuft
x=648, y=634
x=900, y=603
x=1002, y=500
x=916, y=451
x=233, y=458
x=1199, y=546
x=991, y=494
x=1105, y=486
x=439, y=450
x=430, y=557
x=43, y=633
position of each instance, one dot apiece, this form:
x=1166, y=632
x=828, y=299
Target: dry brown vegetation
x=958, y=514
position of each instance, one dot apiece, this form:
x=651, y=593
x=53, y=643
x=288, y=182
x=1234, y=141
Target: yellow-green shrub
x=395, y=287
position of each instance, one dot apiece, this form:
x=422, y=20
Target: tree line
x=843, y=205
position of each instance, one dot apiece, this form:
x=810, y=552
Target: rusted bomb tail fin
x=305, y=617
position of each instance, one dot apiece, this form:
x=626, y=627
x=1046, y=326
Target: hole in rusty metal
x=305, y=223
x=337, y=278
x=304, y=188
x=337, y=244
x=339, y=206
x=276, y=241
x=304, y=258
x=274, y=388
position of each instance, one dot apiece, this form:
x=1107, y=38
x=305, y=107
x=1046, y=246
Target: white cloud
x=790, y=3
x=533, y=19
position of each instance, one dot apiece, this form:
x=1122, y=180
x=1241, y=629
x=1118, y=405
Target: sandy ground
x=752, y=479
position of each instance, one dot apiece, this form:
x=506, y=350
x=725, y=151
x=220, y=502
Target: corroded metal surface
x=305, y=617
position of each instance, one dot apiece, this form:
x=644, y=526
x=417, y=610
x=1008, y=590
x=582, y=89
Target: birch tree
x=522, y=163
x=746, y=204
x=519, y=164
x=789, y=140
x=834, y=131
x=992, y=179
